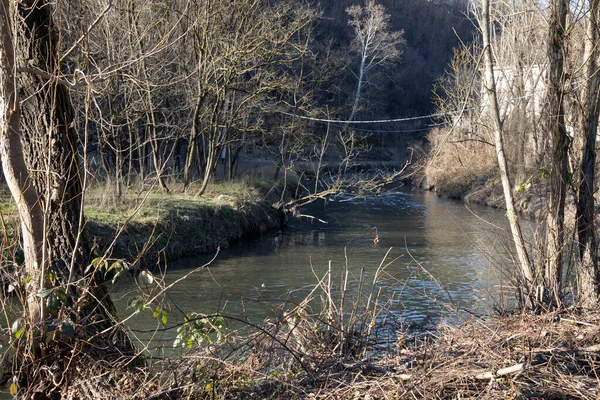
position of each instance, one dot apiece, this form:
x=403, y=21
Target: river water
x=442, y=258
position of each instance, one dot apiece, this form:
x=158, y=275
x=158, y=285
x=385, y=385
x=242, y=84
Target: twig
x=573, y=321
x=87, y=32
x=501, y=372
x=593, y=349
x=311, y=217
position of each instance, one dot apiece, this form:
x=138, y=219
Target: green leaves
x=161, y=314
x=67, y=329
x=139, y=304
x=523, y=187
x=55, y=297
x=117, y=268
x=17, y=328
x=97, y=263
x=198, y=329
x=44, y=292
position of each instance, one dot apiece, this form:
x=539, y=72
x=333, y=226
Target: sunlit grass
x=150, y=203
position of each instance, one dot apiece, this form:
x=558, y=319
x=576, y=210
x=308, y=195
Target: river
x=442, y=258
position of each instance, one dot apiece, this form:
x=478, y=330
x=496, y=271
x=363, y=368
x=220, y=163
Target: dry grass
x=336, y=344
x=342, y=342
x=455, y=167
x=552, y=356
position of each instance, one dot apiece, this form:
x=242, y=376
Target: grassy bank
x=148, y=226
x=151, y=226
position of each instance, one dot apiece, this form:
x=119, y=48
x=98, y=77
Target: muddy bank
x=188, y=229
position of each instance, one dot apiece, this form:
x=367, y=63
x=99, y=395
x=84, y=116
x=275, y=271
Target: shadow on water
x=445, y=258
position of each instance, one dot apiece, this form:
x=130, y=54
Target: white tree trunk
x=490, y=86
x=14, y=166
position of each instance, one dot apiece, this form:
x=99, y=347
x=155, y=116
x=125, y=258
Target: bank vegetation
x=523, y=137
x=112, y=102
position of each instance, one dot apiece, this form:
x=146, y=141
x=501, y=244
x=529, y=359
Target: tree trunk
x=526, y=267
x=192, y=148
x=40, y=160
x=14, y=164
x=359, y=85
x=588, y=246
x=233, y=162
x=555, y=125
x=151, y=126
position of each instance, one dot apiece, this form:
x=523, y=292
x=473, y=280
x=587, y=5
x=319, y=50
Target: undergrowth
x=331, y=345
x=455, y=167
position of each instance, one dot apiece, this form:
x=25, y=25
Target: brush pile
x=550, y=356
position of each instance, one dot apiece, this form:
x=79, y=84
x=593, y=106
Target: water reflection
x=437, y=247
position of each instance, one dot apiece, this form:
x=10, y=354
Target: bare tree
x=241, y=50
x=525, y=263
x=588, y=279
x=66, y=307
x=555, y=125
x=374, y=43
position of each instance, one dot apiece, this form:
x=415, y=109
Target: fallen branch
x=367, y=366
x=311, y=217
x=593, y=349
x=502, y=372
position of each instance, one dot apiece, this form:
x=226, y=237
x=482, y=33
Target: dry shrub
x=318, y=348
x=550, y=356
x=328, y=346
x=456, y=165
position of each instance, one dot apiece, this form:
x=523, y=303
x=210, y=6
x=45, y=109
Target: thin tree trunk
x=588, y=290
x=118, y=168
x=130, y=151
x=14, y=165
x=359, y=85
x=490, y=85
x=212, y=158
x=192, y=149
x=233, y=162
x=40, y=159
x=150, y=118
x=141, y=150
x=555, y=124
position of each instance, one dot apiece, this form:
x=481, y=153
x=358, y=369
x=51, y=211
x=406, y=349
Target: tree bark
x=39, y=150
x=588, y=291
x=12, y=155
x=555, y=125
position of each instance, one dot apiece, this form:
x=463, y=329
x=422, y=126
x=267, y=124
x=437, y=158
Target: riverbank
x=154, y=227
x=548, y=356
x=471, y=175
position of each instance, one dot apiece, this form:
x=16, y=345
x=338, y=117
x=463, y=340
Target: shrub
x=455, y=165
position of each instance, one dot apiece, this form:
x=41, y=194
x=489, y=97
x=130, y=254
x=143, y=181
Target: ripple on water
x=252, y=278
